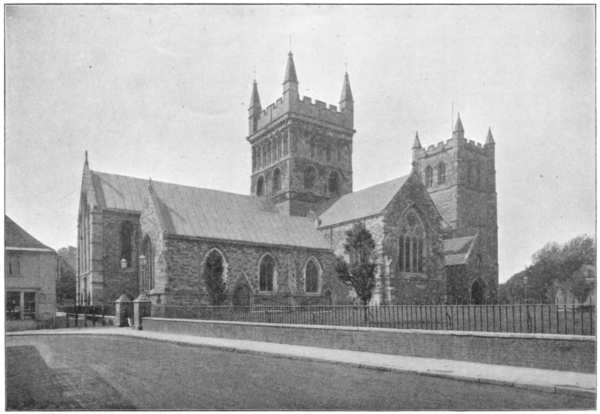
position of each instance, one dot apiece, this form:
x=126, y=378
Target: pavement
x=521, y=377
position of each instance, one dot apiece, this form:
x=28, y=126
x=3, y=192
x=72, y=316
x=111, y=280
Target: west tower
x=460, y=176
x=301, y=150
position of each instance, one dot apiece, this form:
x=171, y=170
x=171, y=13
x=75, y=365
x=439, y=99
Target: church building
x=435, y=228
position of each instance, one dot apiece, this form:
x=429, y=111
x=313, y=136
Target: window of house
x=441, y=178
x=127, y=243
x=276, y=180
x=311, y=277
x=411, y=244
x=428, y=176
x=333, y=183
x=13, y=265
x=29, y=305
x=13, y=305
x=266, y=274
x=310, y=174
x=260, y=186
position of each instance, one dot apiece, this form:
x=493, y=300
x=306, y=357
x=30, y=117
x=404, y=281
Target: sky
x=162, y=92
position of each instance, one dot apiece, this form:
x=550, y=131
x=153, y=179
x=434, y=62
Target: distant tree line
x=551, y=264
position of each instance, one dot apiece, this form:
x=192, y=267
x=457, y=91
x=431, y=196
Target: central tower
x=301, y=150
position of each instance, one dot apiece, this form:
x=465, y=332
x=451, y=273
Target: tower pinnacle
x=489, y=139
x=459, y=131
x=346, y=91
x=254, y=98
x=417, y=143
x=290, y=71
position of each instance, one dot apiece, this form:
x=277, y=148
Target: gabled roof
x=200, y=212
x=364, y=203
x=16, y=238
x=456, y=250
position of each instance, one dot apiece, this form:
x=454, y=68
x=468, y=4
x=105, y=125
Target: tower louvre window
x=428, y=176
x=260, y=186
x=310, y=174
x=441, y=178
x=333, y=183
x=276, y=180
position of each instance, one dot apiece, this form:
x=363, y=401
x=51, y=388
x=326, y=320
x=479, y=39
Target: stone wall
x=185, y=258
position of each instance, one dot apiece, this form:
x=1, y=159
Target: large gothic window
x=441, y=173
x=411, y=244
x=428, y=176
x=310, y=175
x=266, y=274
x=126, y=243
x=334, y=183
x=260, y=186
x=312, y=274
x=147, y=270
x=276, y=180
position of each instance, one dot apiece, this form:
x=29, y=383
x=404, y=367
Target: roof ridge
x=176, y=184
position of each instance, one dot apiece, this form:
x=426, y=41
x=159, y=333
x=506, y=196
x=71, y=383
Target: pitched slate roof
x=367, y=202
x=200, y=212
x=16, y=238
x=456, y=250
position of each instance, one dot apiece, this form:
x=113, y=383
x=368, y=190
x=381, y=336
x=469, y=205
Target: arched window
x=411, y=244
x=147, y=269
x=310, y=174
x=428, y=176
x=260, y=186
x=312, y=148
x=333, y=183
x=312, y=276
x=441, y=173
x=268, y=152
x=328, y=153
x=263, y=161
x=126, y=243
x=276, y=180
x=213, y=277
x=477, y=290
x=266, y=274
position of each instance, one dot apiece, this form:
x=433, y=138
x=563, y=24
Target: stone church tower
x=301, y=150
x=460, y=176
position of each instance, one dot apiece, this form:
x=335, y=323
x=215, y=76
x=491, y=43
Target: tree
x=553, y=263
x=65, y=284
x=360, y=272
x=213, y=275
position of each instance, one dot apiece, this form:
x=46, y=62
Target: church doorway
x=477, y=293
x=241, y=295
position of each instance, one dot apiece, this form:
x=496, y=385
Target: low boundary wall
x=545, y=351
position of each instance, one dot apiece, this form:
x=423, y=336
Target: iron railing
x=525, y=318
x=86, y=315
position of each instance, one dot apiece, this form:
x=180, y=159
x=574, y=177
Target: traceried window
x=310, y=175
x=126, y=243
x=411, y=244
x=312, y=274
x=428, y=176
x=266, y=273
x=441, y=173
x=276, y=180
x=260, y=186
x=333, y=183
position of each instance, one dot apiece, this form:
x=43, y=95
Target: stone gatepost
x=122, y=310
x=142, y=306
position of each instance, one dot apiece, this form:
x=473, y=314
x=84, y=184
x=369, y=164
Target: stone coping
x=519, y=335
